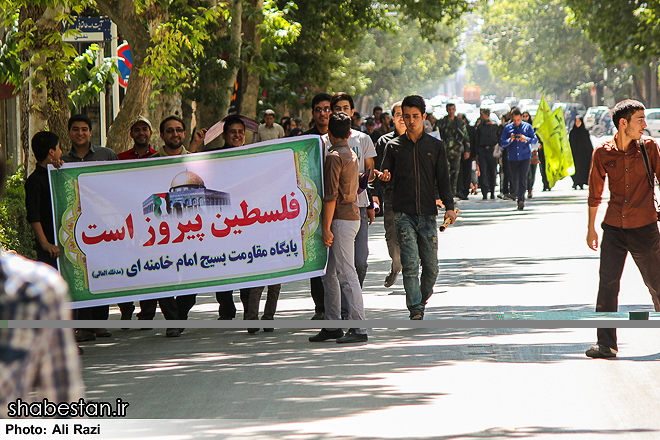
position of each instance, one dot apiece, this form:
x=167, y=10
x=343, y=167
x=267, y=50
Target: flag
x=552, y=132
x=159, y=200
x=543, y=113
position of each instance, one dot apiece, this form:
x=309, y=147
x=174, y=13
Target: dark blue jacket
x=518, y=150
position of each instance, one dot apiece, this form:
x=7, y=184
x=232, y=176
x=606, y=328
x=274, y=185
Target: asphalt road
x=441, y=383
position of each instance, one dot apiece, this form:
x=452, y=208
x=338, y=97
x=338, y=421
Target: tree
x=523, y=40
x=390, y=64
x=627, y=31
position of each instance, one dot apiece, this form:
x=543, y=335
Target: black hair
x=377, y=108
x=42, y=143
x=370, y=122
x=624, y=110
x=341, y=96
x=320, y=97
x=233, y=120
x=171, y=118
x=515, y=112
x=357, y=115
x=383, y=116
x=340, y=125
x=80, y=118
x=531, y=120
x=450, y=104
x=414, y=101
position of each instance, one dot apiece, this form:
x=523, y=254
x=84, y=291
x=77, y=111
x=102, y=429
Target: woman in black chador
x=582, y=150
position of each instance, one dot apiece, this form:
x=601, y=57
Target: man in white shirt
x=362, y=145
x=269, y=130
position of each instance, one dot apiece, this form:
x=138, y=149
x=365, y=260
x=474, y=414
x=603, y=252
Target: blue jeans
x=418, y=240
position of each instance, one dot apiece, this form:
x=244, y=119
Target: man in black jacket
x=417, y=165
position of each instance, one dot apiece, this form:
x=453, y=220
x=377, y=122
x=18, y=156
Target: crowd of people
x=414, y=163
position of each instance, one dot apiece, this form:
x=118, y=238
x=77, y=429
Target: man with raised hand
x=362, y=145
x=388, y=195
x=416, y=163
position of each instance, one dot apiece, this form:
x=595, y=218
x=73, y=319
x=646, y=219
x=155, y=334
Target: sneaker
x=529, y=194
x=417, y=317
x=85, y=335
x=325, y=335
x=173, y=332
x=510, y=197
x=318, y=317
x=252, y=330
x=351, y=337
x=600, y=351
x=102, y=333
x=390, y=279
x=521, y=205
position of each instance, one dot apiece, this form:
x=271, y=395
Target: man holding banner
x=630, y=225
x=517, y=138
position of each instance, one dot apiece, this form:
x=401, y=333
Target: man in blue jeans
x=517, y=138
x=416, y=163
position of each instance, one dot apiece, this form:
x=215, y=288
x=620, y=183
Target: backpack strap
x=645, y=156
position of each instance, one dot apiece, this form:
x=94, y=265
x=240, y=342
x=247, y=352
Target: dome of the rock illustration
x=187, y=179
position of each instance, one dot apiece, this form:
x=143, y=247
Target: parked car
x=500, y=109
x=652, y=121
x=593, y=114
x=568, y=107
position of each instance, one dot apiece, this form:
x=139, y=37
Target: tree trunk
x=138, y=92
x=58, y=111
x=205, y=114
x=39, y=107
x=252, y=62
x=167, y=105
x=235, y=42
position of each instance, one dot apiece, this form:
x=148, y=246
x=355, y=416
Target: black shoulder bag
x=645, y=156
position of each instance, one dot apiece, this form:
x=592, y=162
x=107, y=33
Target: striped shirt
x=35, y=364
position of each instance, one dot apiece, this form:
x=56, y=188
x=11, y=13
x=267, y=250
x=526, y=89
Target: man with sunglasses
x=321, y=115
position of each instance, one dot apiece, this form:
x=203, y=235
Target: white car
x=593, y=114
x=652, y=122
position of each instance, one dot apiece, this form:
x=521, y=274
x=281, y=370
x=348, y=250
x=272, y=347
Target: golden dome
x=186, y=178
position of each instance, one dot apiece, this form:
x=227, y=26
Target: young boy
x=46, y=148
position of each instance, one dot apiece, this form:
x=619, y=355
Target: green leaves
x=88, y=79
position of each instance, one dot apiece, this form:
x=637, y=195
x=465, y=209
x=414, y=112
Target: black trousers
x=544, y=176
x=644, y=245
x=177, y=307
x=488, y=168
x=318, y=294
x=226, y=307
x=464, y=177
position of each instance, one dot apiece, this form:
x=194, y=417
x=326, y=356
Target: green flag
x=558, y=156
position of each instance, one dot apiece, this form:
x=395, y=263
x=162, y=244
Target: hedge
x=15, y=232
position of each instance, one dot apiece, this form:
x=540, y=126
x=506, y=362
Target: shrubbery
x=15, y=232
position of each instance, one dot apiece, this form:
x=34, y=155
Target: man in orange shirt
x=630, y=223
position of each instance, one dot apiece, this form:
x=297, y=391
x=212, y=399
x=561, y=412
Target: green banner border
x=64, y=194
